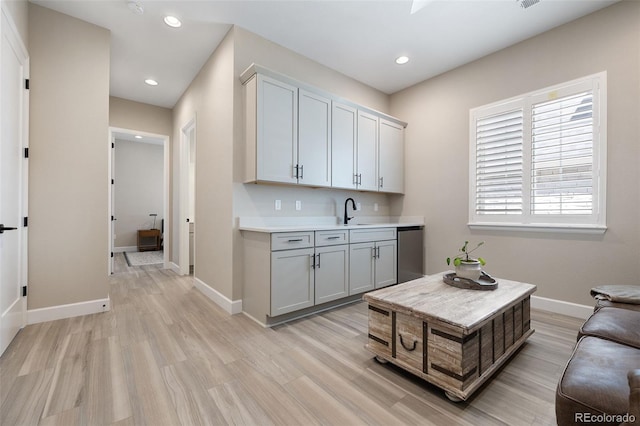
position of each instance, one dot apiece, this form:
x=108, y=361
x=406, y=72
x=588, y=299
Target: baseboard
x=230, y=306
x=128, y=249
x=53, y=313
x=175, y=268
x=561, y=307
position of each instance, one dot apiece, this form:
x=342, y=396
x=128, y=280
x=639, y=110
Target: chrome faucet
x=353, y=204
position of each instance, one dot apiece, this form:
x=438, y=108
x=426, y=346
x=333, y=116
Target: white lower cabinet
x=301, y=278
x=292, y=271
x=372, y=265
x=292, y=280
x=331, y=273
x=373, y=259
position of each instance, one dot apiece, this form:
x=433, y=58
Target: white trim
x=53, y=313
x=561, y=307
x=183, y=192
x=127, y=249
x=230, y=306
x=173, y=266
x=530, y=227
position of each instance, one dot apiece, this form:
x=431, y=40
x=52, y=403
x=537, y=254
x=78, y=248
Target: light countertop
x=298, y=224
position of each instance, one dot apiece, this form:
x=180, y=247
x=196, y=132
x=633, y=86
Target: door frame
x=7, y=24
x=183, y=225
x=165, y=192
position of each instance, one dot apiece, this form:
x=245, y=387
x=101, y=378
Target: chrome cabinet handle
x=381, y=182
x=332, y=238
x=297, y=240
x=302, y=172
x=355, y=179
x=360, y=179
x=318, y=265
x=373, y=249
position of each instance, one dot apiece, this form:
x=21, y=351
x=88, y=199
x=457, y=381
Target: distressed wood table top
x=430, y=298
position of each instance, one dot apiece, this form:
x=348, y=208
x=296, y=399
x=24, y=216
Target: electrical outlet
x=278, y=205
x=298, y=205
x=358, y=206
x=375, y=207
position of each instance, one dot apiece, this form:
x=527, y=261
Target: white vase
x=471, y=269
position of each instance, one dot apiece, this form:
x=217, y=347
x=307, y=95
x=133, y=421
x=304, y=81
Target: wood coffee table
x=453, y=338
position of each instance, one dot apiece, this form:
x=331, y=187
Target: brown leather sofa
x=601, y=381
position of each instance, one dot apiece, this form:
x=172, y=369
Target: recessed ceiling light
x=400, y=60
x=151, y=82
x=172, y=21
x=138, y=137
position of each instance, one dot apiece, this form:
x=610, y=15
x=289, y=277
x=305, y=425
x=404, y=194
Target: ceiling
x=358, y=38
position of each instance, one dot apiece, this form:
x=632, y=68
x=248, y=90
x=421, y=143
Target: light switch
x=358, y=206
x=375, y=207
x=278, y=205
x=298, y=205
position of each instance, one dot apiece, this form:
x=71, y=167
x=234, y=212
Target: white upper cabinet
x=367, y=169
x=272, y=130
x=391, y=157
x=298, y=134
x=343, y=146
x=314, y=139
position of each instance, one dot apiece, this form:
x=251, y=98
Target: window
x=538, y=161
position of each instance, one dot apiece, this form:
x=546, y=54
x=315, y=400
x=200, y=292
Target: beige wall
x=131, y=115
x=209, y=99
x=69, y=110
x=139, y=175
x=563, y=266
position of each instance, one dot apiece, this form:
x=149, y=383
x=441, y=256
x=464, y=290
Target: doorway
x=138, y=200
x=187, y=218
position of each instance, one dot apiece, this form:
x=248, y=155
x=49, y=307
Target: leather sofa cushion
x=595, y=380
x=608, y=303
x=618, y=325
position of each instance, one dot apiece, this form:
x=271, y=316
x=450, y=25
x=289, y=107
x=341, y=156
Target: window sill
x=554, y=228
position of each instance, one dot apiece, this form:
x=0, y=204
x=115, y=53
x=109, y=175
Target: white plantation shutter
x=562, y=156
x=499, y=163
x=539, y=160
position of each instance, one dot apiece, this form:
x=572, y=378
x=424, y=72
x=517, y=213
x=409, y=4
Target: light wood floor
x=167, y=355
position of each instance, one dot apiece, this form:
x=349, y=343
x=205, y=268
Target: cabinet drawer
x=291, y=240
x=372, y=234
x=331, y=238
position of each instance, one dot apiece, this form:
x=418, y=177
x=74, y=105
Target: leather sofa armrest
x=634, y=396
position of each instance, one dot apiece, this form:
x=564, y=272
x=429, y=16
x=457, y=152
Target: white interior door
x=13, y=125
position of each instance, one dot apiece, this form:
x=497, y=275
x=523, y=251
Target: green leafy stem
x=463, y=255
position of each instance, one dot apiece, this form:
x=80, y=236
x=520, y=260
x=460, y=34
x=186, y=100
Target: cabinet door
x=314, y=139
x=277, y=131
x=343, y=146
x=386, y=265
x=332, y=273
x=292, y=283
x=367, y=152
x=391, y=157
x=361, y=267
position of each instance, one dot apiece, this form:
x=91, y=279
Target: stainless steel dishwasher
x=410, y=253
